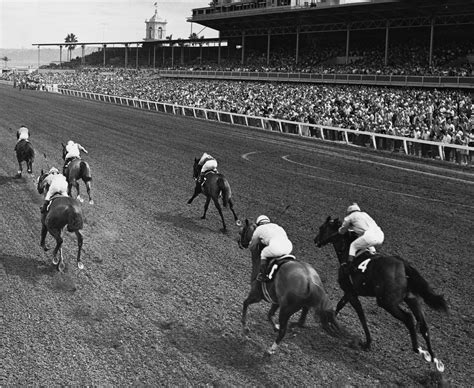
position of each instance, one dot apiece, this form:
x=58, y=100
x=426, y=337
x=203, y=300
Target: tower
x=155, y=27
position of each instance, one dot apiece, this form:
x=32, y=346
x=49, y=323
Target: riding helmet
x=353, y=208
x=53, y=170
x=262, y=220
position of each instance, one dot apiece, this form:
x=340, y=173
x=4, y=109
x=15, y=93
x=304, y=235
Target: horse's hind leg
x=88, y=188
x=76, y=185
x=270, y=315
x=80, y=240
x=403, y=316
x=20, y=170
x=417, y=310
x=285, y=313
x=219, y=209
x=56, y=233
x=206, y=206
x=231, y=207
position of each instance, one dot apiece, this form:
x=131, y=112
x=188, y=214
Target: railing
x=377, y=141
x=358, y=79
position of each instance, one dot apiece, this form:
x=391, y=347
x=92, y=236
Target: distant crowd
x=438, y=115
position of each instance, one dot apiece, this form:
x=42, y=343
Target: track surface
x=159, y=300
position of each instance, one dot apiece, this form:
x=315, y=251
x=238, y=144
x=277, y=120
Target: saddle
x=53, y=197
x=214, y=171
x=275, y=264
x=20, y=143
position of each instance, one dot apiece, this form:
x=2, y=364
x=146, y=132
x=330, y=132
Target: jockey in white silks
x=73, y=150
x=57, y=185
x=365, y=227
x=275, y=240
x=22, y=133
x=208, y=163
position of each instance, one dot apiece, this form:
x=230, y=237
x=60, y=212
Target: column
x=347, y=42
x=430, y=59
x=126, y=55
x=297, y=54
x=242, y=59
x=268, y=46
x=386, y=42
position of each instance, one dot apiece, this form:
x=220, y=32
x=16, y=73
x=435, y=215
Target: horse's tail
x=419, y=286
x=85, y=171
x=224, y=187
x=75, y=221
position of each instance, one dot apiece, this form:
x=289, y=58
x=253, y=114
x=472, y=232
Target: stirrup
x=262, y=278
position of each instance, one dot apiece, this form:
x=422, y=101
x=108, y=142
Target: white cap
x=53, y=170
x=353, y=208
x=262, y=220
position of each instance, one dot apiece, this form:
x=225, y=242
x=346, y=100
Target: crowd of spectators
x=438, y=115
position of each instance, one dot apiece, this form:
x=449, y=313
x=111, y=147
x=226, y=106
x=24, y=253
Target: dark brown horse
x=76, y=170
x=214, y=186
x=296, y=286
x=63, y=212
x=390, y=279
x=24, y=153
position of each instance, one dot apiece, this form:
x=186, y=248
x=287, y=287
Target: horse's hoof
x=61, y=266
x=203, y=217
x=439, y=365
x=80, y=265
x=91, y=202
x=79, y=198
x=189, y=201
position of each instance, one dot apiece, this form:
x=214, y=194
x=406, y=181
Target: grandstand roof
x=373, y=14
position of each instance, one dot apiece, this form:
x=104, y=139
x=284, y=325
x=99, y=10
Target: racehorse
x=24, y=153
x=295, y=286
x=77, y=169
x=63, y=212
x=215, y=185
x=390, y=279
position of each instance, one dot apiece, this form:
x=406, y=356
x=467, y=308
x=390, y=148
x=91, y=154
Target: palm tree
x=70, y=38
x=5, y=60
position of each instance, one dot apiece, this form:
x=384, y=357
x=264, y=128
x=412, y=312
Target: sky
x=26, y=22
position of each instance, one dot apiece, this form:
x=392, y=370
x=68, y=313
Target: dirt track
x=160, y=298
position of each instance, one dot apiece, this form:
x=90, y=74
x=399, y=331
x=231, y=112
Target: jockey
x=275, y=240
x=368, y=232
x=22, y=133
x=73, y=150
x=207, y=163
x=57, y=185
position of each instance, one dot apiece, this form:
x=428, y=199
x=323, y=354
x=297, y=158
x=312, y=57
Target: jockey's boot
x=262, y=276
x=44, y=207
x=348, y=266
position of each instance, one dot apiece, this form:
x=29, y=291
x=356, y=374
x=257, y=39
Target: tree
x=70, y=38
x=5, y=60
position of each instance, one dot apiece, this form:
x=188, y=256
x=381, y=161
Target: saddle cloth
x=275, y=264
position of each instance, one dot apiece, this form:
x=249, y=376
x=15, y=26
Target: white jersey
x=274, y=238
x=74, y=150
x=358, y=222
x=23, y=133
x=57, y=185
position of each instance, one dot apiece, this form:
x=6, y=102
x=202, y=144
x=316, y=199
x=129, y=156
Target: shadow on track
x=27, y=268
x=9, y=179
x=184, y=222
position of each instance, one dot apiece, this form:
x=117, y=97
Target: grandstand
x=304, y=26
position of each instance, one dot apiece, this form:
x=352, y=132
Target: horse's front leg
x=231, y=207
x=340, y=305
x=29, y=166
x=197, y=191
x=254, y=296
x=44, y=232
x=355, y=302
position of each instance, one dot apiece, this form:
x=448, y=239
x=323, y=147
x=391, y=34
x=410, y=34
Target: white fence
x=376, y=141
